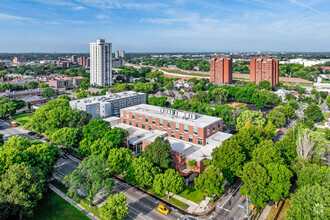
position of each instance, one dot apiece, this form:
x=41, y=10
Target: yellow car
x=163, y=209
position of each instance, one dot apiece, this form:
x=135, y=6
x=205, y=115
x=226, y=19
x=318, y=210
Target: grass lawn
x=191, y=194
x=83, y=202
x=178, y=203
x=23, y=119
x=54, y=207
x=321, y=130
x=274, y=211
x=321, y=124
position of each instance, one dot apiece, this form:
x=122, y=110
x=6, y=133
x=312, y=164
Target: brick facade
x=221, y=70
x=264, y=68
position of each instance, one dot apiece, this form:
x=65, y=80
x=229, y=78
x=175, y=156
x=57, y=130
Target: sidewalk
x=79, y=207
x=265, y=212
x=193, y=207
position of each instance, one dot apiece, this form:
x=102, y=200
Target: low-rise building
x=110, y=104
x=24, y=93
x=192, y=136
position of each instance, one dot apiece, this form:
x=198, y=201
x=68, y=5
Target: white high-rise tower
x=100, y=63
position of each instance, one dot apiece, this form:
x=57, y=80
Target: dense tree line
x=8, y=106
x=12, y=87
x=24, y=168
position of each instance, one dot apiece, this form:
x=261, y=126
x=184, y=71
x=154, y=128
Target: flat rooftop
x=137, y=135
x=183, y=117
x=105, y=98
x=32, y=98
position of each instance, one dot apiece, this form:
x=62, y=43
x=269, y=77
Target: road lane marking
x=130, y=206
x=231, y=195
x=241, y=198
x=225, y=209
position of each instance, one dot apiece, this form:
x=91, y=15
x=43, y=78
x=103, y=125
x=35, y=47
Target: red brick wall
x=221, y=70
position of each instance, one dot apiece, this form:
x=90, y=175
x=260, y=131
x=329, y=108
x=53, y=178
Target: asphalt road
x=141, y=205
x=233, y=206
x=9, y=131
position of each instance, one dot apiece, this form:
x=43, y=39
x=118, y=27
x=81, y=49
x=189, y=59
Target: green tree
x=279, y=185
x=220, y=95
x=170, y=181
x=294, y=104
x=210, y=181
x=259, y=100
x=92, y=175
x=43, y=85
x=114, y=207
x=119, y=160
x=310, y=202
x=255, y=180
x=266, y=153
x=191, y=164
x=22, y=187
x=160, y=101
x=48, y=93
x=265, y=84
x=253, y=117
x=96, y=129
x=229, y=156
x=201, y=96
x=68, y=137
x=314, y=174
x=52, y=116
x=159, y=153
x=79, y=119
x=313, y=112
x=33, y=85
x=327, y=133
x=141, y=172
x=327, y=101
x=82, y=95
x=277, y=118
x=64, y=97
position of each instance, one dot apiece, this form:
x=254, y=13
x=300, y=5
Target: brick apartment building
x=264, y=68
x=192, y=136
x=221, y=70
x=60, y=81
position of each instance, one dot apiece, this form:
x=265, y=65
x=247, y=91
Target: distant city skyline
x=68, y=26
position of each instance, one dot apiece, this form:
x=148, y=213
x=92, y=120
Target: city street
x=9, y=131
x=233, y=206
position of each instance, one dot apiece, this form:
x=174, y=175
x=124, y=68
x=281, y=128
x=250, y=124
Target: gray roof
x=183, y=117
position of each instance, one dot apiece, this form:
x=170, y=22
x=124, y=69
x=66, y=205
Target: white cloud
x=102, y=16
x=8, y=17
x=79, y=7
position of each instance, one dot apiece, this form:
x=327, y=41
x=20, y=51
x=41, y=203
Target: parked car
x=39, y=136
x=163, y=209
x=31, y=133
x=2, y=127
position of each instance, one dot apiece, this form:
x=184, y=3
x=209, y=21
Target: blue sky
x=165, y=26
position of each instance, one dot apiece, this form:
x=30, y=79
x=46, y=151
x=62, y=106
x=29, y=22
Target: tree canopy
x=159, y=153
x=114, y=207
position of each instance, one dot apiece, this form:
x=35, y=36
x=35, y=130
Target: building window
x=181, y=136
x=161, y=122
x=139, y=117
x=127, y=114
x=130, y=122
x=190, y=138
x=124, y=120
x=136, y=124
x=185, y=128
x=219, y=125
x=150, y=127
x=153, y=120
x=200, y=141
x=146, y=119
x=177, y=126
x=143, y=126
x=133, y=116
x=208, y=130
x=195, y=131
x=213, y=128
x=173, y=133
x=169, y=124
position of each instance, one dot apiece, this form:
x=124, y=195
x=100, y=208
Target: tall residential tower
x=264, y=68
x=221, y=70
x=100, y=61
